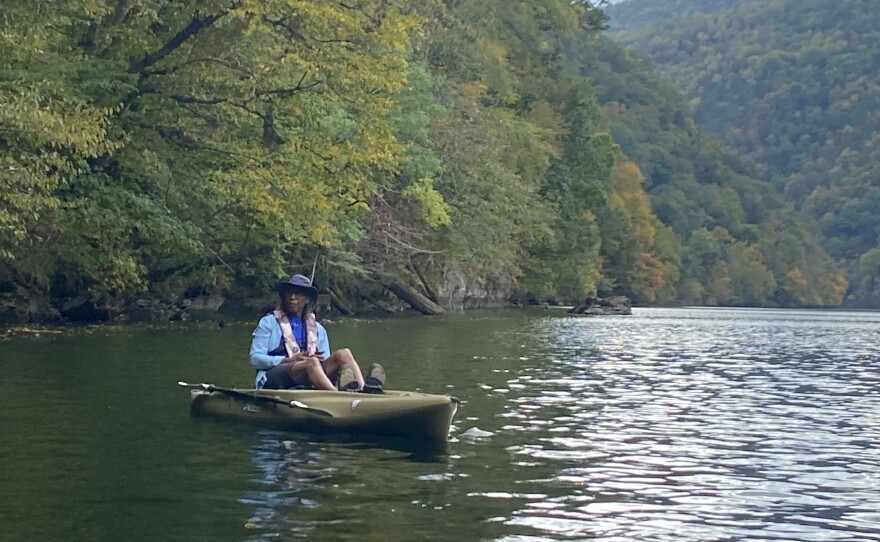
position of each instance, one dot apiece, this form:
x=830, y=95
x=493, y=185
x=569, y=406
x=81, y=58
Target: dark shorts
x=278, y=378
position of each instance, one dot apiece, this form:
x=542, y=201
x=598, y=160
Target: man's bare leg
x=310, y=370
x=339, y=360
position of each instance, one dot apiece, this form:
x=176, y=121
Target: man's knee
x=312, y=363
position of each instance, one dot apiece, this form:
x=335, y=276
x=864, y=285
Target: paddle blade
x=203, y=386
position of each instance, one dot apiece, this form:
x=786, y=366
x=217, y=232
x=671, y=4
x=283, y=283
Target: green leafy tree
x=208, y=141
x=645, y=268
x=49, y=131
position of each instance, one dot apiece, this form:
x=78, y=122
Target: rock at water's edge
x=593, y=306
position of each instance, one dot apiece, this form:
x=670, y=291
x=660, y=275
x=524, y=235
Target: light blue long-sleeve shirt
x=267, y=337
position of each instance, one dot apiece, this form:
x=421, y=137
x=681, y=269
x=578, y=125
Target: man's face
x=294, y=300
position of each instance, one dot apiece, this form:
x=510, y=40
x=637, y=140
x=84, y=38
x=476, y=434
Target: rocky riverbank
x=456, y=293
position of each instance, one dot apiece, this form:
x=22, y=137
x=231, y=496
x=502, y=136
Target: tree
x=233, y=136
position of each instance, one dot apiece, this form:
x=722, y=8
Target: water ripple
x=691, y=425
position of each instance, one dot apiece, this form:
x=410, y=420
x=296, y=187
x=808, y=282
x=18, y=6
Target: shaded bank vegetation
x=474, y=151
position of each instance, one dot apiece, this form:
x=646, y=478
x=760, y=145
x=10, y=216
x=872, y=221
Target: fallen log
x=426, y=284
x=378, y=304
x=413, y=298
x=339, y=304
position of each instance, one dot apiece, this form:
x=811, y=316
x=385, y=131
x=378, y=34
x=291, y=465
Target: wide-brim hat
x=299, y=282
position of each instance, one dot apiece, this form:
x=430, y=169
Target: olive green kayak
x=390, y=414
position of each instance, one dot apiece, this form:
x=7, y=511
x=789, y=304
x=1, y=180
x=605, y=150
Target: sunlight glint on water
x=677, y=426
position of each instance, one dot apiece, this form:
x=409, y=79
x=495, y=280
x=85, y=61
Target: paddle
x=254, y=397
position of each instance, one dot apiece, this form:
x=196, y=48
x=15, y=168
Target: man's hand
x=302, y=356
x=299, y=356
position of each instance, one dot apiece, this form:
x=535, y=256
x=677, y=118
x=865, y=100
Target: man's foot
x=375, y=380
x=347, y=381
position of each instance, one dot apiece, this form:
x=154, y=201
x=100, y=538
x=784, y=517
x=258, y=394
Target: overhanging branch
x=196, y=24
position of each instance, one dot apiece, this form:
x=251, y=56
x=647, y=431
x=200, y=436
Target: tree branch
x=193, y=100
x=285, y=92
x=196, y=24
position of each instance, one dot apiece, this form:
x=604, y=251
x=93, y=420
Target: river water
x=669, y=425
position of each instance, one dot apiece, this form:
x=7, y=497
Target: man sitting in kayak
x=290, y=349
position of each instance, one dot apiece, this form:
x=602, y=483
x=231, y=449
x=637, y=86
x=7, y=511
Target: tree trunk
x=432, y=293
x=339, y=304
x=377, y=304
x=409, y=294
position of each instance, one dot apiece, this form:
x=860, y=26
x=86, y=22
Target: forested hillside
x=795, y=85
x=631, y=14
x=162, y=150
x=741, y=244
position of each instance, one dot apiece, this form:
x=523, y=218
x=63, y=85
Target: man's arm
x=261, y=345
x=323, y=345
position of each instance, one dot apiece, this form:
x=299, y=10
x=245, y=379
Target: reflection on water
x=670, y=425
x=296, y=471
x=681, y=426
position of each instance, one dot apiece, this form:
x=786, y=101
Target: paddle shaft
x=254, y=397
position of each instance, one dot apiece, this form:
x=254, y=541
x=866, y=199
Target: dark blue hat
x=300, y=282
